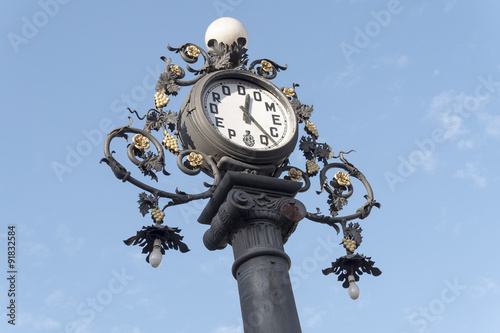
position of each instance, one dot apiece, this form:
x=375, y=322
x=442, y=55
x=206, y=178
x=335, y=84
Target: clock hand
x=257, y=124
x=247, y=108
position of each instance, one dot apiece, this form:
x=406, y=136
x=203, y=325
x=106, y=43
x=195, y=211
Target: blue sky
x=412, y=86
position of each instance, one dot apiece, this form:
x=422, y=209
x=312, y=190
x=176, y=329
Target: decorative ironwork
x=140, y=142
x=295, y=174
x=161, y=99
x=147, y=154
x=342, y=179
x=169, y=237
x=195, y=159
x=355, y=264
x=266, y=68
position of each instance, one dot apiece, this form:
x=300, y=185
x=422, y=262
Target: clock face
x=247, y=114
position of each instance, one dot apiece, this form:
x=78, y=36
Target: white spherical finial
x=226, y=30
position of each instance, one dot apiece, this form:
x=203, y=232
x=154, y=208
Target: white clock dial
x=248, y=115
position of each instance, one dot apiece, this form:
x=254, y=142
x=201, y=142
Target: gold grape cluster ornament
x=311, y=129
x=161, y=99
x=157, y=215
x=312, y=167
x=170, y=143
x=349, y=244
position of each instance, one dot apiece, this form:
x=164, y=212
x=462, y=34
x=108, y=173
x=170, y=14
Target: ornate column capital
x=244, y=199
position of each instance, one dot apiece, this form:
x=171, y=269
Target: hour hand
x=246, y=110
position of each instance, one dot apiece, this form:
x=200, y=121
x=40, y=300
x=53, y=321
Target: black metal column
x=256, y=215
x=261, y=269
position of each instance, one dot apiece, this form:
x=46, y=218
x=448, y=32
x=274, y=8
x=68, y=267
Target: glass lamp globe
x=155, y=257
x=353, y=288
x=226, y=30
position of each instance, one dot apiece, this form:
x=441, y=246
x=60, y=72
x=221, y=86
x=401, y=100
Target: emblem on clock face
x=248, y=139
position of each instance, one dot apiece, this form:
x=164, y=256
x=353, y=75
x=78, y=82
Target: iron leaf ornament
x=149, y=154
x=146, y=202
x=352, y=264
x=170, y=239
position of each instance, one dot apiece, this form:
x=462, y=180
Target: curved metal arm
x=266, y=73
x=302, y=176
x=156, y=162
x=183, y=51
x=361, y=212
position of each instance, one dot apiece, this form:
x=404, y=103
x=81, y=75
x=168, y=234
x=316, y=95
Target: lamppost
x=239, y=128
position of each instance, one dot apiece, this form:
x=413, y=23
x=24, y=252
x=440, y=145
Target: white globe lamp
x=226, y=30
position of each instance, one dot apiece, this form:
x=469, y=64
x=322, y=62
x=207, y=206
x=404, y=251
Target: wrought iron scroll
x=150, y=161
x=218, y=57
x=339, y=190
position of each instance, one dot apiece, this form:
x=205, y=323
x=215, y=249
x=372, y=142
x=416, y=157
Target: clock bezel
x=193, y=123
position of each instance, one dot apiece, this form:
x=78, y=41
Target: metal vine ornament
x=235, y=120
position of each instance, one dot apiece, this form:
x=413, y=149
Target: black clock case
x=197, y=133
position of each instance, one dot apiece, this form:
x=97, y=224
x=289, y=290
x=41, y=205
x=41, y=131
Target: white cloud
x=443, y=224
x=38, y=322
x=429, y=162
x=464, y=144
x=55, y=298
x=349, y=76
x=451, y=110
x=71, y=244
x=125, y=329
x=215, y=265
x=313, y=318
x=485, y=287
x=36, y=250
x=228, y=329
x=452, y=124
x=419, y=10
x=473, y=174
x=399, y=61
x=460, y=113
x=402, y=61
x=449, y=5
x=492, y=125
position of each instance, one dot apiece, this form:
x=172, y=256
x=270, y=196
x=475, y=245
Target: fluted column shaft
x=256, y=215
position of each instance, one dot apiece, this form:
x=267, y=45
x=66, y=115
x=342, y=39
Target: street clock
x=238, y=114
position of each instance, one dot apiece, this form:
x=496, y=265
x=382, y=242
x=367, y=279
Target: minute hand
x=257, y=124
